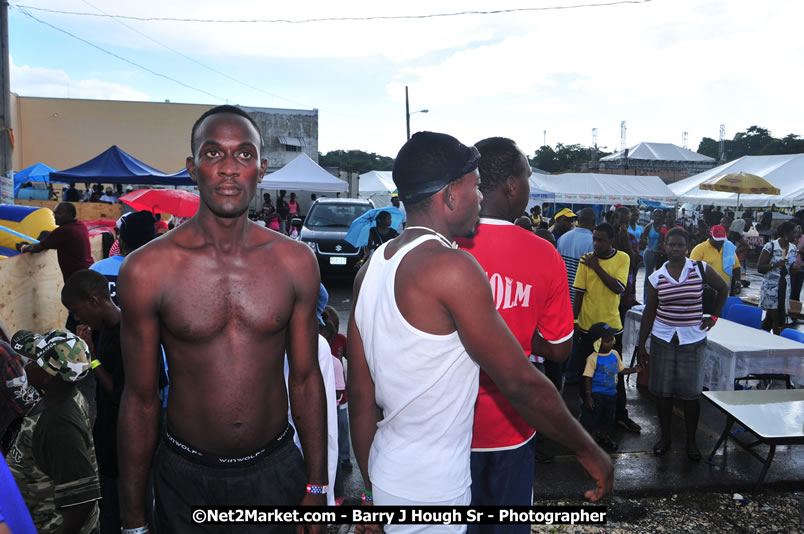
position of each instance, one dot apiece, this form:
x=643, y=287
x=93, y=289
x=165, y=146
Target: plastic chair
x=731, y=301
x=745, y=315
x=795, y=335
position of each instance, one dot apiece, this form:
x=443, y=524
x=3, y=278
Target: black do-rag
x=428, y=162
x=137, y=228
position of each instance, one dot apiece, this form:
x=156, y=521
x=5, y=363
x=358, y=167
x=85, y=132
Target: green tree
x=789, y=144
x=749, y=143
x=565, y=158
x=356, y=160
x=754, y=141
x=709, y=147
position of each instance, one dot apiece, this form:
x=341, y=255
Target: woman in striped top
x=674, y=319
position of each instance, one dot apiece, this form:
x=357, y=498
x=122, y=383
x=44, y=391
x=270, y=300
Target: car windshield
x=334, y=215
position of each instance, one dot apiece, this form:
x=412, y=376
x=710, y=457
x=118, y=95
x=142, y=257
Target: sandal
x=661, y=447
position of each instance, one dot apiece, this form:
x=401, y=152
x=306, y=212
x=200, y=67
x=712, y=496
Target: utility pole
x=5, y=89
x=407, y=111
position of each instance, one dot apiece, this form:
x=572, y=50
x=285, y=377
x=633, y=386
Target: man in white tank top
x=423, y=319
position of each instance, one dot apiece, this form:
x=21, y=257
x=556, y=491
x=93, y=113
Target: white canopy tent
x=659, y=152
x=376, y=186
x=303, y=174
x=785, y=172
x=592, y=188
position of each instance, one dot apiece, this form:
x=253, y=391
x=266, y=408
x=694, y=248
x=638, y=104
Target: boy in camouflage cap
x=53, y=456
x=57, y=352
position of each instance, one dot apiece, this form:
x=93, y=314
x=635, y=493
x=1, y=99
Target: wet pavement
x=638, y=472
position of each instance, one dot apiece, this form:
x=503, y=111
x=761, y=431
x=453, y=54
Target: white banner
x=7, y=188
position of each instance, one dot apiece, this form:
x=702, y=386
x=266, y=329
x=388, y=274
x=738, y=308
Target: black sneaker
x=607, y=444
x=628, y=424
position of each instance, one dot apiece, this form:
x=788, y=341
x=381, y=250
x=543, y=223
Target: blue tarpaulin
x=114, y=166
x=655, y=205
x=38, y=172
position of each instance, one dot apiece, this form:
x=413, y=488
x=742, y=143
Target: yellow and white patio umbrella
x=740, y=183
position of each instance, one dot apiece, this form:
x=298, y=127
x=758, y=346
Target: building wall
x=65, y=132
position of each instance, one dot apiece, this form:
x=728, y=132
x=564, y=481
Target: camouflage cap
x=58, y=352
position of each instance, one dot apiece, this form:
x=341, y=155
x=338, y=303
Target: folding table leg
x=729, y=423
x=767, y=464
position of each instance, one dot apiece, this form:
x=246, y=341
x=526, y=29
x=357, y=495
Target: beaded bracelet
x=315, y=489
x=367, y=496
x=139, y=530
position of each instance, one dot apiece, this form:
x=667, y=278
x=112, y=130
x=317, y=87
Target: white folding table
x=733, y=351
x=774, y=417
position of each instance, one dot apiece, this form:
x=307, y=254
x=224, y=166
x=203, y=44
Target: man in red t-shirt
x=529, y=284
x=70, y=240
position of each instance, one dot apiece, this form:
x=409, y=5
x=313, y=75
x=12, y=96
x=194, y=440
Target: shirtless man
x=225, y=327
x=420, y=298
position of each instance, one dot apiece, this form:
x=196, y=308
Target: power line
x=24, y=11
x=211, y=69
x=121, y=58
x=339, y=19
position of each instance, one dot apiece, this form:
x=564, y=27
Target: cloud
x=38, y=81
x=395, y=40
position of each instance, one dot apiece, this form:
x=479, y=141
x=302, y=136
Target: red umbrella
x=174, y=201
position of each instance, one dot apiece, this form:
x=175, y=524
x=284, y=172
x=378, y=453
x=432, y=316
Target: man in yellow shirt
x=721, y=254
x=599, y=282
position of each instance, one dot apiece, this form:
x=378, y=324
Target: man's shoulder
x=699, y=249
x=108, y=265
x=61, y=417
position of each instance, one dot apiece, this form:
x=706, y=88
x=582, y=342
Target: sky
x=665, y=67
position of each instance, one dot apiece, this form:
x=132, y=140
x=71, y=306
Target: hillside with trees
x=755, y=141
x=564, y=158
x=356, y=160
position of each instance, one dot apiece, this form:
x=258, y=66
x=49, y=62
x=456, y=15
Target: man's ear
x=449, y=198
x=263, y=168
x=190, y=165
x=511, y=186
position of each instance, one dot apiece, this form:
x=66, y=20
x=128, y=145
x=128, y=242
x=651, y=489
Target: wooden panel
x=30, y=292
x=85, y=211
x=91, y=211
x=96, y=247
x=36, y=203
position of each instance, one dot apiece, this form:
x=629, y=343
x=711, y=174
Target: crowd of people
x=279, y=215
x=213, y=383
x=95, y=193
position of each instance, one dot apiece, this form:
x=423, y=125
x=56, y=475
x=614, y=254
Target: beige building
x=64, y=132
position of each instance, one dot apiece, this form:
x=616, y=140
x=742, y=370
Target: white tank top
x=426, y=386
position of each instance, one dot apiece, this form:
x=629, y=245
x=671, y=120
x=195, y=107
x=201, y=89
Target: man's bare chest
x=203, y=302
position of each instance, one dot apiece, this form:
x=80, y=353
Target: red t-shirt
x=71, y=242
x=338, y=346
x=529, y=283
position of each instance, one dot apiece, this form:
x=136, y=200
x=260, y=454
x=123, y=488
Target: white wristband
x=139, y=530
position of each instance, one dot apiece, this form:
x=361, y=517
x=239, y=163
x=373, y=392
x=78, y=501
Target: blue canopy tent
x=177, y=178
x=38, y=172
x=114, y=166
